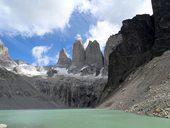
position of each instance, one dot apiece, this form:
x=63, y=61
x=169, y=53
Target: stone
x=3, y=126
x=133, y=51
x=94, y=56
x=64, y=61
x=78, y=58
x=111, y=44
x=51, y=72
x=161, y=10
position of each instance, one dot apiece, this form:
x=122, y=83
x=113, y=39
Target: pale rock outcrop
x=64, y=61
x=4, y=56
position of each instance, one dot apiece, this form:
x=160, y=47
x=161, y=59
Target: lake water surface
x=78, y=118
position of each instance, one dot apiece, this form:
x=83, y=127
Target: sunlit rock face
x=161, y=10
x=64, y=61
x=78, y=58
x=4, y=56
x=94, y=59
x=94, y=55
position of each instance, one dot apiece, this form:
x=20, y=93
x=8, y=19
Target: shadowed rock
x=133, y=51
x=161, y=10
x=111, y=44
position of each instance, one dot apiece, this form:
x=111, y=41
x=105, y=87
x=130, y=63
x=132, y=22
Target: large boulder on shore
x=3, y=126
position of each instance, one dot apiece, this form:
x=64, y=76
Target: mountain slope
x=145, y=91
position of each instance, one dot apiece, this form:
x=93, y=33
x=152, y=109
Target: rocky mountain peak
x=3, y=51
x=64, y=61
x=78, y=58
x=94, y=55
x=4, y=56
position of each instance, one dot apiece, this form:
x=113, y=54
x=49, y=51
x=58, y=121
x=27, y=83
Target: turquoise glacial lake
x=78, y=118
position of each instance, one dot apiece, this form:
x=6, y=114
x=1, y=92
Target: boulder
x=51, y=72
x=3, y=126
x=64, y=61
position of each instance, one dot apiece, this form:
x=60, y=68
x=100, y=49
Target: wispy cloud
x=110, y=14
x=41, y=57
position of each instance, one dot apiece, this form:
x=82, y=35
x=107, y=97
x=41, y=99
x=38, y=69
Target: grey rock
x=64, y=61
x=111, y=44
x=94, y=55
x=133, y=51
x=145, y=91
x=78, y=58
x=51, y=72
x=161, y=10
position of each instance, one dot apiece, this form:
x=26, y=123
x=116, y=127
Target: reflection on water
x=78, y=118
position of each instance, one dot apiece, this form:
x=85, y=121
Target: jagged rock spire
x=78, y=58
x=64, y=61
x=94, y=55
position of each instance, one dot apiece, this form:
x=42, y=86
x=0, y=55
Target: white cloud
x=101, y=32
x=40, y=55
x=29, y=17
x=110, y=14
x=37, y=17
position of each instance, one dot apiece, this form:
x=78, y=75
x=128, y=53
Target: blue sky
x=35, y=30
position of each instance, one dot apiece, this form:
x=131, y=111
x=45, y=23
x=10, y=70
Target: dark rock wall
x=161, y=10
x=111, y=44
x=144, y=37
x=133, y=51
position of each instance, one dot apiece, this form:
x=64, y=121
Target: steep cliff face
x=111, y=44
x=144, y=90
x=161, y=10
x=78, y=58
x=94, y=59
x=94, y=55
x=133, y=51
